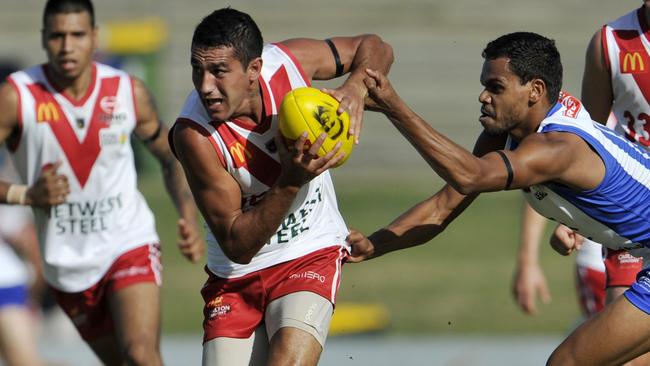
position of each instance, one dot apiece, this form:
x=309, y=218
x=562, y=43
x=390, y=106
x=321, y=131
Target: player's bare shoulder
x=9, y=104
x=190, y=142
x=552, y=153
x=550, y=141
x=595, y=43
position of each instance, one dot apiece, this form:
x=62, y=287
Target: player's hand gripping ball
x=311, y=110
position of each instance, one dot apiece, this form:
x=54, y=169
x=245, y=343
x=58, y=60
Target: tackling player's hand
x=190, y=241
x=50, y=189
x=565, y=241
x=362, y=248
x=381, y=93
x=351, y=99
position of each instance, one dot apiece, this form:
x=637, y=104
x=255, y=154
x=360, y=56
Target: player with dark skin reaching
x=514, y=107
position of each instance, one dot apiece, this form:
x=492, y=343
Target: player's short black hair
x=68, y=6
x=228, y=27
x=532, y=56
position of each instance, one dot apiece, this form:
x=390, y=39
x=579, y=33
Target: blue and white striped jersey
x=617, y=212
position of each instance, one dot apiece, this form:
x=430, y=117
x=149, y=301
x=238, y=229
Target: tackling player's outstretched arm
x=539, y=158
x=327, y=59
x=425, y=220
x=416, y=226
x=242, y=234
x=153, y=133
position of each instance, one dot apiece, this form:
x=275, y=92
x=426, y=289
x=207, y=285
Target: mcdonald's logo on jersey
x=239, y=153
x=633, y=62
x=47, y=112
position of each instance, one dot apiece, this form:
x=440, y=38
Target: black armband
x=337, y=59
x=508, y=168
x=154, y=136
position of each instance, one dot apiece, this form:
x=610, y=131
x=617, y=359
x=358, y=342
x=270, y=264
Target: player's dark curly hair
x=228, y=27
x=68, y=6
x=531, y=57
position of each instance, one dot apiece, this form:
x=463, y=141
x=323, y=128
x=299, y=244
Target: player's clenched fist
x=361, y=247
x=565, y=241
x=50, y=189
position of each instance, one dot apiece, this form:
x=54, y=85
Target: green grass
x=458, y=283
x=182, y=280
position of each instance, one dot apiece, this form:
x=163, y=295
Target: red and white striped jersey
x=248, y=153
x=626, y=48
x=104, y=215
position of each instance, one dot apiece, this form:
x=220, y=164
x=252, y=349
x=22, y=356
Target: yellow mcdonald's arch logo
x=633, y=62
x=239, y=152
x=47, y=112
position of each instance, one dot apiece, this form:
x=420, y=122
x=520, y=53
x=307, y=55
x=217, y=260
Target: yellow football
x=311, y=110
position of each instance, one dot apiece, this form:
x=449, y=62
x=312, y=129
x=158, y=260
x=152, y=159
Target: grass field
x=458, y=283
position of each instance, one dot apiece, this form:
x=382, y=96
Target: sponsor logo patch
x=239, y=154
x=571, y=104
x=219, y=308
x=47, y=112
x=633, y=62
x=626, y=258
x=131, y=272
x=309, y=275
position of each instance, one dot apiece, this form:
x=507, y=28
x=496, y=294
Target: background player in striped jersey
x=571, y=169
x=68, y=125
x=616, y=82
x=277, y=240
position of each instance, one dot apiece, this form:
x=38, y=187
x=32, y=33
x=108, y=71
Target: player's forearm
x=372, y=53
x=252, y=229
x=386, y=240
x=421, y=223
x=178, y=189
x=456, y=165
x=413, y=228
